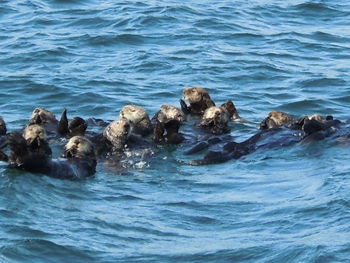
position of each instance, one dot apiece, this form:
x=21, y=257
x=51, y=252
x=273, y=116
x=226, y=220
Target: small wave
x=315, y=8
x=107, y=40
x=322, y=82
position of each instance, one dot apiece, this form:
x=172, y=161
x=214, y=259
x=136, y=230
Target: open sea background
x=93, y=57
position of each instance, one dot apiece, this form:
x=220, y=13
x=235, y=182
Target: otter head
x=42, y=116
x=169, y=113
x=276, y=119
x=77, y=126
x=216, y=119
x=195, y=95
x=138, y=118
x=78, y=147
x=117, y=133
x=167, y=123
x=34, y=134
x=3, y=129
x=317, y=117
x=216, y=114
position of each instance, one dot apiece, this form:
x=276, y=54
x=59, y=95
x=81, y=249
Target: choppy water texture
x=93, y=57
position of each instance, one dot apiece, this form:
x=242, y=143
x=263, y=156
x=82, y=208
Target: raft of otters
x=29, y=149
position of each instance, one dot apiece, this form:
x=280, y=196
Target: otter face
x=216, y=120
x=34, y=132
x=195, y=94
x=133, y=113
x=118, y=132
x=216, y=114
x=41, y=115
x=3, y=129
x=317, y=117
x=169, y=113
x=138, y=117
x=77, y=126
x=79, y=147
x=276, y=119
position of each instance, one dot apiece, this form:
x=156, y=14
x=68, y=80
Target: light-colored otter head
x=138, y=118
x=215, y=119
x=170, y=113
x=317, y=117
x=42, y=116
x=33, y=132
x=216, y=114
x=3, y=129
x=195, y=94
x=118, y=132
x=276, y=119
x=280, y=118
x=79, y=147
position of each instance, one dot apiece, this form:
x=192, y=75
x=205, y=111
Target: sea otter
x=199, y=101
x=276, y=119
x=311, y=128
x=36, y=138
x=53, y=127
x=74, y=127
x=113, y=139
x=79, y=158
x=215, y=120
x=138, y=118
x=117, y=133
x=167, y=122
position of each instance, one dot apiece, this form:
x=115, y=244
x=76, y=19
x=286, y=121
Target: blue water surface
x=93, y=57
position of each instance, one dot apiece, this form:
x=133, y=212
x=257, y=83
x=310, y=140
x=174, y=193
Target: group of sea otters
x=29, y=149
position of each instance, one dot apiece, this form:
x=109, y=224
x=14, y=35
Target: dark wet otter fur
x=311, y=130
x=167, y=122
x=3, y=131
x=79, y=159
x=3, y=128
x=74, y=127
x=277, y=119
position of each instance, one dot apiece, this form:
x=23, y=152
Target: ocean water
x=93, y=57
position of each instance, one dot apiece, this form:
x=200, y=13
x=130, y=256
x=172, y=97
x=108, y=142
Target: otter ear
x=63, y=123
